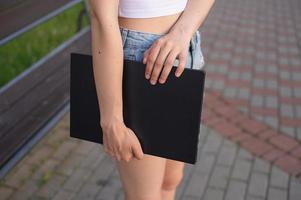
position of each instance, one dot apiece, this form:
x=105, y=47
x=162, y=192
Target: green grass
x=20, y=53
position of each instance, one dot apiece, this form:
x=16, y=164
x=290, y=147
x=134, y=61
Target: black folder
x=166, y=118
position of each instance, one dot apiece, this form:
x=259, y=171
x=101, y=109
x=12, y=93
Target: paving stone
x=223, y=69
x=283, y=142
x=18, y=176
x=206, y=163
x=47, y=167
x=277, y=194
x=298, y=133
x=284, y=75
x=295, y=62
x=218, y=85
x=245, y=76
x=220, y=177
x=236, y=61
x=242, y=153
x=230, y=92
x=241, y=169
x=298, y=111
x=88, y=191
x=226, y=155
x=258, y=117
x=111, y=190
x=259, y=67
x=234, y=75
x=75, y=181
x=67, y=167
x=43, y=153
x=64, y=150
x=48, y=188
x=63, y=194
x=85, y=148
x=5, y=192
x=287, y=110
x=212, y=144
x=196, y=185
x=244, y=93
x=285, y=91
x=258, y=83
x=236, y=190
x=279, y=178
x=261, y=165
x=257, y=100
x=271, y=121
x=291, y=131
x=90, y=162
x=258, y=184
x=272, y=69
x=102, y=172
x=249, y=197
x=212, y=193
x=26, y=191
x=296, y=76
x=294, y=190
x=297, y=92
x=271, y=101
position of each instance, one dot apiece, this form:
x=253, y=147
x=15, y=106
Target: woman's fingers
x=182, y=62
x=161, y=56
x=160, y=60
x=167, y=66
x=136, y=147
x=152, y=56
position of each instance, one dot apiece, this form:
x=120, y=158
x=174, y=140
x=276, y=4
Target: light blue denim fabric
x=135, y=43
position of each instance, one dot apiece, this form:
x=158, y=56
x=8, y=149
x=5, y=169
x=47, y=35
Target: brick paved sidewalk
x=253, y=55
x=251, y=145
x=60, y=167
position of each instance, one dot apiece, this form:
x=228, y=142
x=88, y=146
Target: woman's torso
x=160, y=24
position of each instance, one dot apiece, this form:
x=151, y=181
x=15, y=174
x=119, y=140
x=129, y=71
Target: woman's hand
x=163, y=52
x=120, y=142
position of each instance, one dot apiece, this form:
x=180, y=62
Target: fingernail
x=147, y=76
x=153, y=82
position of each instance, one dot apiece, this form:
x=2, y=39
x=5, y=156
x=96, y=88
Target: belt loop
x=124, y=34
x=193, y=42
x=196, y=54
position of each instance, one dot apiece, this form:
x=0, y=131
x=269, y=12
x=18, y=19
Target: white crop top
x=149, y=8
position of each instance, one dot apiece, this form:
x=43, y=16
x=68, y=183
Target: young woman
x=161, y=34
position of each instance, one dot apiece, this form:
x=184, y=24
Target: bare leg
x=142, y=179
x=172, y=178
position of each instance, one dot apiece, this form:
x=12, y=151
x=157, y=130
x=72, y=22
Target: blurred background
x=251, y=117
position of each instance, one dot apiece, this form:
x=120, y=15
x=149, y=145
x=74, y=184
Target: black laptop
x=165, y=117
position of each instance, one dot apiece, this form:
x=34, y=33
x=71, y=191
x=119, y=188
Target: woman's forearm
x=193, y=17
x=107, y=55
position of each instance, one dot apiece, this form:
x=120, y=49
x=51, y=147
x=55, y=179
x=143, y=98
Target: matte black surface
x=165, y=117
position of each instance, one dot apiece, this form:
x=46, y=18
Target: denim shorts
x=135, y=43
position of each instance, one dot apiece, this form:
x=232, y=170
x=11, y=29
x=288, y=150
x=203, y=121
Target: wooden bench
x=32, y=100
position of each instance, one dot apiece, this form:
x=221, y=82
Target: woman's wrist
x=106, y=121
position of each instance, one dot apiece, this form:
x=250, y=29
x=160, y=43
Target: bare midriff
x=156, y=25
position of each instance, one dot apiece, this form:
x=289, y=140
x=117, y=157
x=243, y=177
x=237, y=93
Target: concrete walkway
x=251, y=122
x=253, y=54
x=60, y=167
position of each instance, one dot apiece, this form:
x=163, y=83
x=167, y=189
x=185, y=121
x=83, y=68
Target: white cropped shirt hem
x=143, y=9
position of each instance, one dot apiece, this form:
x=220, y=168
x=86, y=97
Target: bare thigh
x=142, y=178
x=173, y=173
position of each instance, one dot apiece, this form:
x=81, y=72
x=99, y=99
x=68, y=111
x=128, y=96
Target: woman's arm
x=107, y=52
x=193, y=17
x=162, y=54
